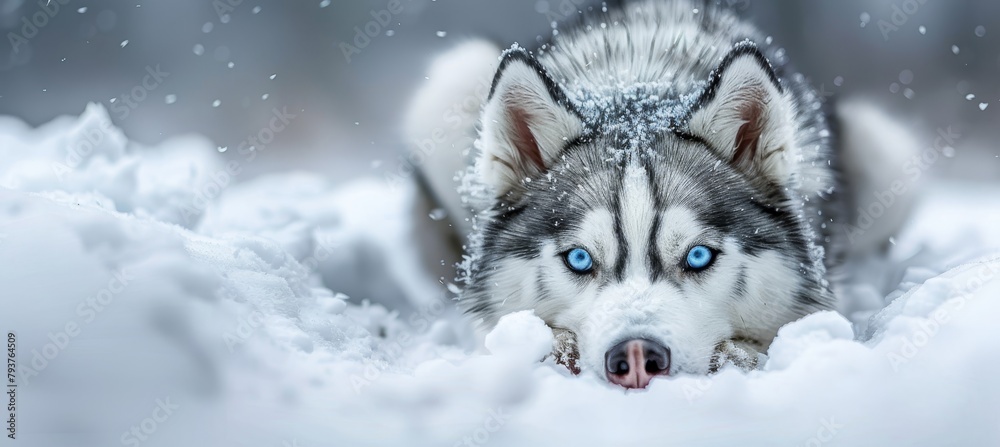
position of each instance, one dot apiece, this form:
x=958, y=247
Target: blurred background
x=225, y=66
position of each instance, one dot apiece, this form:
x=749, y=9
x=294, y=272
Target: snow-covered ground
x=157, y=299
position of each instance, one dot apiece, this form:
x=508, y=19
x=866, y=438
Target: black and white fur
x=638, y=133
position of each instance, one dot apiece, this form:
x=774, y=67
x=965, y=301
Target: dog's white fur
x=743, y=85
x=448, y=107
x=521, y=92
x=693, y=321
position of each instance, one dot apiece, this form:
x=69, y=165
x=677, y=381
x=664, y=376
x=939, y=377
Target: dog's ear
x=745, y=115
x=526, y=124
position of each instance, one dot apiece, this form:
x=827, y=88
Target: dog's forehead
x=676, y=225
x=596, y=200
x=594, y=175
x=674, y=174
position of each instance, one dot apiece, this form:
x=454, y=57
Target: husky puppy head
x=654, y=230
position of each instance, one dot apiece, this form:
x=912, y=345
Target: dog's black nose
x=634, y=363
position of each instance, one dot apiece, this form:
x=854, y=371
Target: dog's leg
x=741, y=353
x=565, y=351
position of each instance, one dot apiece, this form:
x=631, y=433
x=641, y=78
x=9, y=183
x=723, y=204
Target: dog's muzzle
x=634, y=363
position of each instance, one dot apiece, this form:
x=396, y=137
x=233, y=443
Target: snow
x=160, y=299
x=520, y=335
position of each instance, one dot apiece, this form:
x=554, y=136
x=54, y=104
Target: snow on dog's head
x=654, y=237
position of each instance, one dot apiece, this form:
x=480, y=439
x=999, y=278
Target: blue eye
x=699, y=258
x=579, y=260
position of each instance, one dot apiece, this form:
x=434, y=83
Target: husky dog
x=655, y=183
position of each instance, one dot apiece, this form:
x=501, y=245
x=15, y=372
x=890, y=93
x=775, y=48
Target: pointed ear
x=745, y=115
x=527, y=122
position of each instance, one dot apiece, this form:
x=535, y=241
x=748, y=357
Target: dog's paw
x=565, y=351
x=743, y=354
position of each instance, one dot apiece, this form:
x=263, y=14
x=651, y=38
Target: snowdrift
x=158, y=299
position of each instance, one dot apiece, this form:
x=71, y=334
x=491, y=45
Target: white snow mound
x=159, y=300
